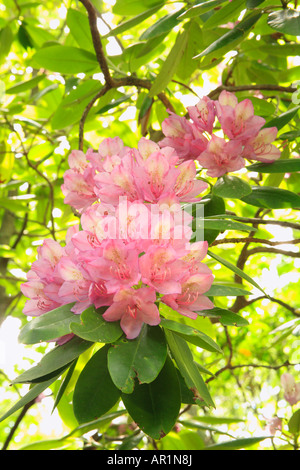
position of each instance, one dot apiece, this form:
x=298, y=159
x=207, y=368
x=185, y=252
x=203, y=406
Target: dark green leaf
x=253, y=3
x=49, y=326
x=228, y=12
x=235, y=269
x=187, y=367
x=54, y=361
x=94, y=328
x=198, y=10
x=191, y=335
x=95, y=393
x=236, y=34
x=33, y=393
x=142, y=357
x=223, y=224
x=66, y=59
x=155, y=406
x=283, y=119
x=226, y=317
x=272, y=198
x=163, y=25
x=280, y=166
x=285, y=21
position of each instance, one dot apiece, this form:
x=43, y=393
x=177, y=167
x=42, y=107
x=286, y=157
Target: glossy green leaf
x=66, y=59
x=49, y=326
x=226, y=13
x=54, y=361
x=285, y=21
x=198, y=10
x=219, y=290
x=187, y=367
x=272, y=198
x=95, y=393
x=170, y=65
x=226, y=317
x=192, y=335
x=232, y=187
x=92, y=327
x=280, y=166
x=155, y=406
x=163, y=25
x=237, y=33
x=284, y=118
x=142, y=357
x=223, y=224
x=235, y=269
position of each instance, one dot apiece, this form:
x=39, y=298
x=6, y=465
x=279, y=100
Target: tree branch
x=214, y=94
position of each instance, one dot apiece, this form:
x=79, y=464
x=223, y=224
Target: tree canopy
x=78, y=78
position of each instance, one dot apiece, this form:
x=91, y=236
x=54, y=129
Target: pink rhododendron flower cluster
x=133, y=248
x=243, y=135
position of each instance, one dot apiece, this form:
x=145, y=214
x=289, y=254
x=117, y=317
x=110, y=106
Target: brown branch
x=92, y=15
x=254, y=240
x=258, y=221
x=277, y=301
x=214, y=94
x=265, y=249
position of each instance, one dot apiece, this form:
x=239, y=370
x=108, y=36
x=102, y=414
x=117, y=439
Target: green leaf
x=285, y=21
x=226, y=317
x=95, y=393
x=235, y=269
x=54, y=361
x=93, y=327
x=24, y=86
x=133, y=21
x=236, y=444
x=6, y=39
x=198, y=10
x=294, y=423
x=222, y=16
x=283, y=119
x=219, y=290
x=253, y=3
x=280, y=166
x=33, y=393
x=231, y=187
x=78, y=24
x=66, y=59
x=134, y=7
x=236, y=34
x=163, y=25
x=170, y=65
x=192, y=335
x=49, y=326
x=272, y=198
x=187, y=367
x=142, y=357
x=223, y=224
x=155, y=406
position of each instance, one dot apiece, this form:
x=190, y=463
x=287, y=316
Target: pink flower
x=161, y=269
x=183, y=136
x=203, y=114
x=221, y=157
x=191, y=299
x=237, y=119
x=133, y=307
x=78, y=189
x=291, y=388
x=273, y=425
x=187, y=187
x=260, y=147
